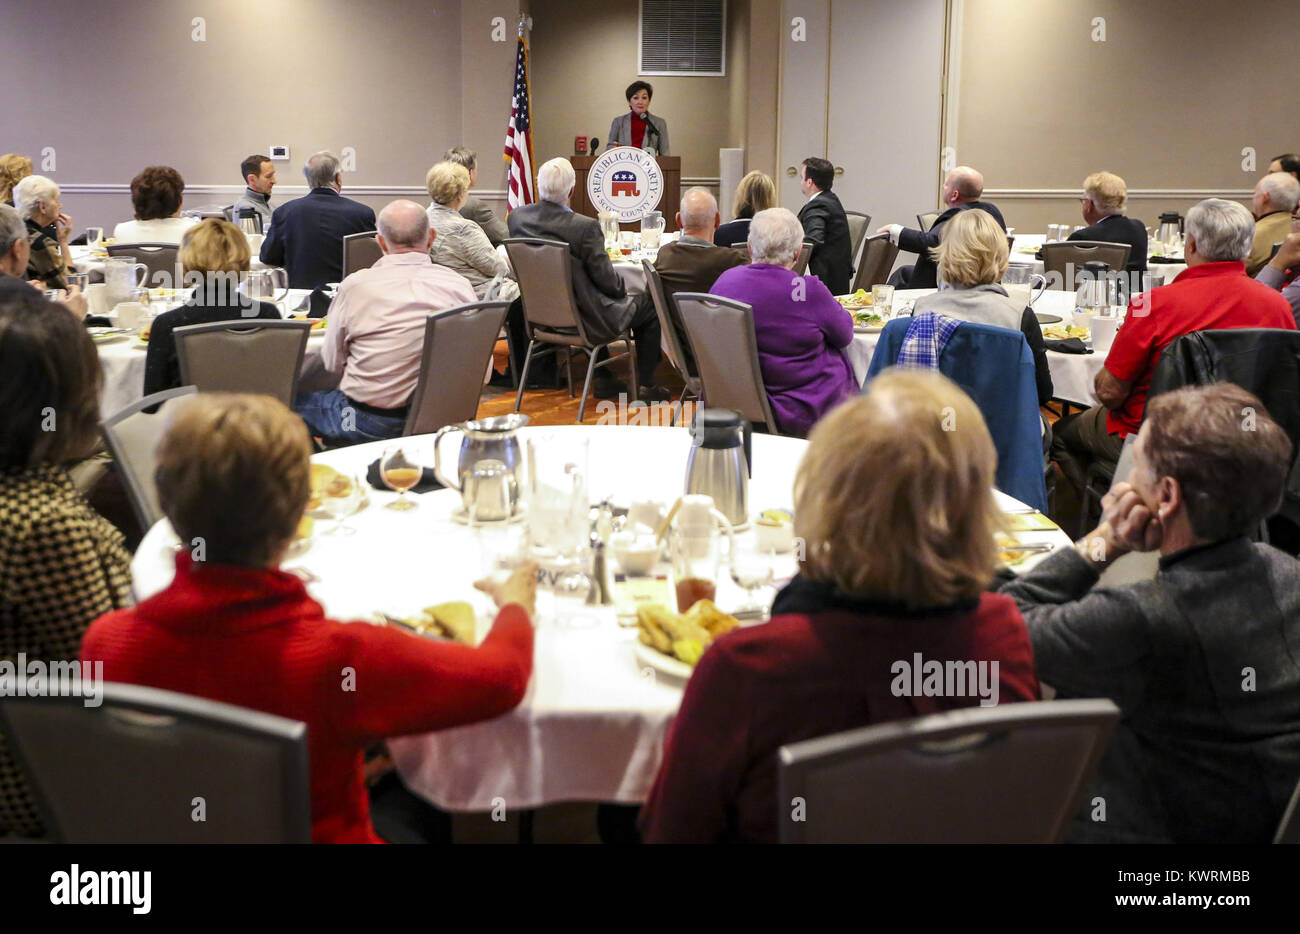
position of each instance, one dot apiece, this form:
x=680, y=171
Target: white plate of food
x=664, y=664
x=103, y=335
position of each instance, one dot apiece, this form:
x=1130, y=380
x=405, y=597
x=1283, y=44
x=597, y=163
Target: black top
x=1119, y=229
x=827, y=226
x=925, y=274
x=162, y=368
x=306, y=236
x=736, y=231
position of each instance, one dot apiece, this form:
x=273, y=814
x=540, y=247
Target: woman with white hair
x=800, y=328
x=460, y=244
x=37, y=200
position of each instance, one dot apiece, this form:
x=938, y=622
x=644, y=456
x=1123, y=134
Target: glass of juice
x=400, y=469
x=696, y=555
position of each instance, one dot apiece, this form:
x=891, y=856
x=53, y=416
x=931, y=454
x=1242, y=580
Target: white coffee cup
x=1103, y=333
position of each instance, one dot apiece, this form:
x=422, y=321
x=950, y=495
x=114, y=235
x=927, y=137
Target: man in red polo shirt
x=1212, y=294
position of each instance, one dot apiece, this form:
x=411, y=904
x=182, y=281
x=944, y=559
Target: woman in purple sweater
x=800, y=327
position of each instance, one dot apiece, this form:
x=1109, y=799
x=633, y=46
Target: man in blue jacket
x=306, y=235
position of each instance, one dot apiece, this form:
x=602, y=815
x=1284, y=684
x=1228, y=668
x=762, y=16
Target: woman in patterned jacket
x=61, y=564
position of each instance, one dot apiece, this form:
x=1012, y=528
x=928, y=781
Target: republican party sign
x=625, y=181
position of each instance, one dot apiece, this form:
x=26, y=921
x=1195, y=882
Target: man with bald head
x=376, y=332
x=691, y=263
x=306, y=235
x=962, y=190
x=1276, y=196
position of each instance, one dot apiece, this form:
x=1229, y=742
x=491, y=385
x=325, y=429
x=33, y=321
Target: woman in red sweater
x=897, y=518
x=232, y=476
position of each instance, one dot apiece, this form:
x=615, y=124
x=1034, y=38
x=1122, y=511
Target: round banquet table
x=592, y=724
x=1072, y=374
x=122, y=360
x=1026, y=245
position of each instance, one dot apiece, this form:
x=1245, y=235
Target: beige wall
x=125, y=84
x=584, y=55
x=1168, y=101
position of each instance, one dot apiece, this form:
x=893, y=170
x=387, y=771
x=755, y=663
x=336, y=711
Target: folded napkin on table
x=1068, y=345
x=427, y=480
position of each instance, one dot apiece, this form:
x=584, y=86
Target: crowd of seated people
x=1197, y=758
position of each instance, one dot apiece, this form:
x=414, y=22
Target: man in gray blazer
x=474, y=209
x=606, y=308
x=1204, y=660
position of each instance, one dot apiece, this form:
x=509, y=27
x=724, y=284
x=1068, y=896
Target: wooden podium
x=671, y=166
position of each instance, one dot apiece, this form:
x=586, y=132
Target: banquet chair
x=673, y=331
x=926, y=221
x=858, y=224
x=995, y=367
x=136, y=768
x=1013, y=773
x=132, y=435
x=360, y=251
x=801, y=261
x=878, y=256
x=458, y=342
x=162, y=269
x=543, y=270
x=262, y=357
x=721, y=336
x=1263, y=361
x=1060, y=257
x=1288, y=831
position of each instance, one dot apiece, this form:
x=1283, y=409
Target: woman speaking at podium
x=638, y=127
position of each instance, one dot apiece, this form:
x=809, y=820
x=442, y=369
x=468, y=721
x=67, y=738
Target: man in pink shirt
x=376, y=333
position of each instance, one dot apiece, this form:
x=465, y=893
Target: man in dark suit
x=961, y=190
x=826, y=225
x=474, y=209
x=606, y=308
x=691, y=263
x=306, y=235
x=1104, y=195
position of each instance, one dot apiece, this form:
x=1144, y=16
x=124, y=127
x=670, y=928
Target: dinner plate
x=664, y=664
x=1045, y=318
x=868, y=328
x=102, y=335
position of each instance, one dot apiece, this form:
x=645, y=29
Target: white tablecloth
x=1072, y=374
x=1022, y=254
x=592, y=724
x=123, y=363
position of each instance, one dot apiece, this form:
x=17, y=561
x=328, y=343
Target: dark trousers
x=1081, y=440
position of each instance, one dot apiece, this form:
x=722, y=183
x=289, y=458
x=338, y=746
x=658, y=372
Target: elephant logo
x=624, y=184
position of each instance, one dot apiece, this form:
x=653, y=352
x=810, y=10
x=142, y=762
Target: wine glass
x=401, y=470
x=95, y=238
x=340, y=499
x=752, y=568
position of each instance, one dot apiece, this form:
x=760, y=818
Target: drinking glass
x=752, y=567
x=609, y=227
x=401, y=469
x=80, y=279
x=341, y=501
x=627, y=240
x=558, y=521
x=95, y=238
x=696, y=556
x=882, y=299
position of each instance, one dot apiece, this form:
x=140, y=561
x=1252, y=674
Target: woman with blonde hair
x=972, y=259
x=894, y=504
x=234, y=472
x=459, y=243
x=756, y=192
x=215, y=256
x=13, y=169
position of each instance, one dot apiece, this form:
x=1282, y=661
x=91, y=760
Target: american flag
x=519, y=135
